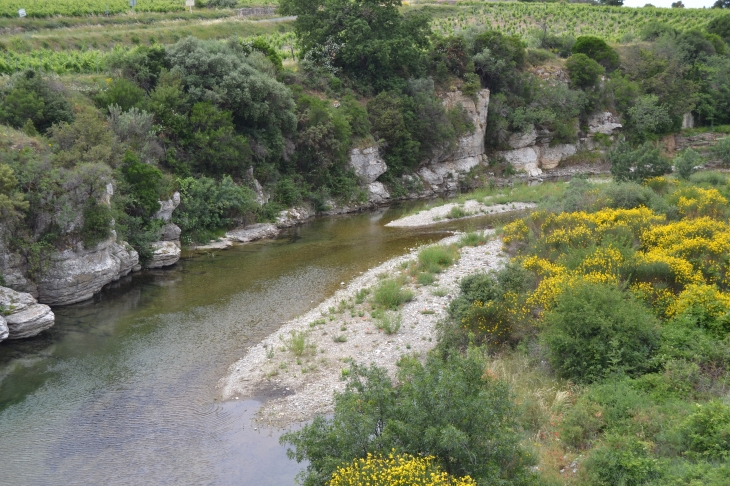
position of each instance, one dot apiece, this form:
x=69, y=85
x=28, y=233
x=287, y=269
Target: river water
x=122, y=390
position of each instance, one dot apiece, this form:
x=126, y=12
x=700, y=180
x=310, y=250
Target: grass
x=341, y=338
x=435, y=259
x=298, y=343
x=456, y=213
x=472, y=238
x=425, y=278
x=389, y=322
x=390, y=294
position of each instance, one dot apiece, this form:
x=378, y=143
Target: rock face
x=367, y=164
x=293, y=216
x=605, y=122
x=377, y=192
x=4, y=332
x=23, y=316
x=167, y=207
x=77, y=274
x=166, y=251
x=164, y=254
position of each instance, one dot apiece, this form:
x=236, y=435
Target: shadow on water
x=122, y=390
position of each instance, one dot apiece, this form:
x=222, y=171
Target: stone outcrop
x=164, y=254
x=21, y=315
x=367, y=164
x=253, y=232
x=293, y=216
x=604, y=122
x=77, y=274
x=377, y=193
x=166, y=251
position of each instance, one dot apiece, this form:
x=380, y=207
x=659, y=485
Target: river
x=122, y=390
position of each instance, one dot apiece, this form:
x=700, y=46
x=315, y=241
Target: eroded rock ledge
x=21, y=316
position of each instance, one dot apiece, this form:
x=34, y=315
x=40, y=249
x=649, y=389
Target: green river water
x=122, y=390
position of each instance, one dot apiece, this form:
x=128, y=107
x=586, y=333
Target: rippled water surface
x=122, y=390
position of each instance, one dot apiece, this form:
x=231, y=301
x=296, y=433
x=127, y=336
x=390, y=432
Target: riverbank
x=298, y=368
x=455, y=211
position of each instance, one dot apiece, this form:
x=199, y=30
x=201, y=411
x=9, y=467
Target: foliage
x=395, y=469
x=685, y=163
x=144, y=181
x=123, y=93
x=594, y=330
x=706, y=432
x=37, y=99
x=390, y=294
x=12, y=203
x=584, y=72
x=449, y=409
x=597, y=49
x=370, y=42
x=208, y=205
x=638, y=164
x=722, y=150
x=40, y=8
x=97, y=223
x=622, y=460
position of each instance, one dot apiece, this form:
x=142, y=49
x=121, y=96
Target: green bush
x=390, y=294
x=596, y=329
x=584, y=72
x=123, y=93
x=36, y=99
x=685, y=163
x=722, y=150
x=639, y=164
x=711, y=178
x=621, y=460
x=597, y=49
x=144, y=181
x=449, y=409
x=706, y=433
x=97, y=223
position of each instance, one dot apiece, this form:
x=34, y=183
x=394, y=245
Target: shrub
x=722, y=150
x=97, y=223
x=597, y=49
x=404, y=469
x=621, y=460
x=709, y=177
x=639, y=164
x=706, y=433
x=37, y=99
x=390, y=294
x=472, y=238
x=594, y=329
x=123, y=93
x=144, y=181
x=389, y=322
x=449, y=409
x=584, y=72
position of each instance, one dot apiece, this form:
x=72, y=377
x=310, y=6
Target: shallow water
x=122, y=390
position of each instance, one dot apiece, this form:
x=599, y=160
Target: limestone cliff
x=21, y=316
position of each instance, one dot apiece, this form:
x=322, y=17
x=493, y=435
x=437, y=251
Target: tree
x=612, y=3
x=637, y=165
x=597, y=49
x=720, y=25
x=449, y=409
x=34, y=98
x=678, y=4
x=685, y=163
x=721, y=4
x=12, y=202
x=584, y=72
x=649, y=117
x=369, y=41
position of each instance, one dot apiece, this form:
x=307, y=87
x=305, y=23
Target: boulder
x=167, y=207
x=604, y=122
x=164, y=254
x=550, y=157
x=293, y=216
x=524, y=159
x=471, y=145
x=522, y=140
x=23, y=316
x=367, y=164
x=75, y=275
x=170, y=232
x=377, y=193
x=3, y=329
x=253, y=232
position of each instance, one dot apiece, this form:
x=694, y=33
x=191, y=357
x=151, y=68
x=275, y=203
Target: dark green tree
x=597, y=49
x=369, y=41
x=584, y=72
x=639, y=164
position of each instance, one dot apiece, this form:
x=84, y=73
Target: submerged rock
x=23, y=316
x=253, y=232
x=77, y=274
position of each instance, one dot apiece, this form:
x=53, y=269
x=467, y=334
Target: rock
x=525, y=159
x=471, y=145
x=430, y=177
x=222, y=244
x=688, y=120
x=253, y=232
x=170, y=232
x=550, y=157
x=167, y=207
x=261, y=196
x=604, y=122
x=164, y=254
x=23, y=316
x=3, y=329
x=293, y=216
x=377, y=193
x=76, y=275
x=367, y=164
x=522, y=140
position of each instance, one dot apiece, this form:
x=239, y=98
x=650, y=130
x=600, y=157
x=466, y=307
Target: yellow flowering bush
x=696, y=202
x=395, y=470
